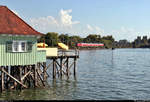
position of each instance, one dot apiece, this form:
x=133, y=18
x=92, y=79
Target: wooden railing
x=74, y=52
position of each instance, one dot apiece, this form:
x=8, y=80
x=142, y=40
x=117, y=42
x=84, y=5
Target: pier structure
x=27, y=76
x=63, y=63
x=22, y=64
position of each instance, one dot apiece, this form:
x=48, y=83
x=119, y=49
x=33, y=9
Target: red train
x=89, y=44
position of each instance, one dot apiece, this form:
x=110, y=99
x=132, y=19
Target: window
x=19, y=46
x=29, y=47
x=23, y=46
x=15, y=46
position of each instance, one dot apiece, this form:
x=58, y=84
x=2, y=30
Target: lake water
x=101, y=75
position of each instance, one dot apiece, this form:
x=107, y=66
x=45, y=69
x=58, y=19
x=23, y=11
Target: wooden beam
x=23, y=77
x=40, y=78
x=49, y=65
x=44, y=72
x=13, y=78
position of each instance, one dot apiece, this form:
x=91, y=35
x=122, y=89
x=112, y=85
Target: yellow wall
x=50, y=51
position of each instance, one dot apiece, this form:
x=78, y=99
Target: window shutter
x=9, y=46
x=29, y=46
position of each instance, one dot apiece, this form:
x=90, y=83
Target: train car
x=89, y=44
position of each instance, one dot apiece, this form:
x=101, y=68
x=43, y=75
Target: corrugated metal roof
x=10, y=23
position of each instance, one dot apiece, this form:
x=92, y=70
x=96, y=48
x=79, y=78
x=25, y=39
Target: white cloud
x=44, y=23
x=125, y=33
x=89, y=27
x=94, y=29
x=66, y=18
x=99, y=30
x=62, y=23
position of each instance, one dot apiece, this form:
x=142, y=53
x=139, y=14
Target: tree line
x=53, y=38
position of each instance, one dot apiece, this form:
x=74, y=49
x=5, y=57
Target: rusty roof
x=10, y=23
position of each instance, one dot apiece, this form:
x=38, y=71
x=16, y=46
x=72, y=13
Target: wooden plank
x=14, y=78
x=49, y=65
x=40, y=78
x=23, y=77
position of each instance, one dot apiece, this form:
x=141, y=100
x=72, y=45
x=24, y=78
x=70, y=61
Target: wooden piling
x=44, y=72
x=61, y=64
x=35, y=76
x=2, y=79
x=74, y=67
x=54, y=68
x=67, y=65
x=20, y=76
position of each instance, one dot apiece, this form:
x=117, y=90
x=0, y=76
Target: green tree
x=51, y=38
x=92, y=38
x=64, y=38
x=73, y=40
x=108, y=41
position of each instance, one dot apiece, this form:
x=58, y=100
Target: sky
x=123, y=19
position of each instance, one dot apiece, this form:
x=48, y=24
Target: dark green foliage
x=92, y=38
x=42, y=39
x=64, y=38
x=51, y=38
x=73, y=40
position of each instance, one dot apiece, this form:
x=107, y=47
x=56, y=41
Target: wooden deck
x=65, y=54
x=63, y=62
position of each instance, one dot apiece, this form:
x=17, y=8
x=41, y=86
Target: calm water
x=101, y=74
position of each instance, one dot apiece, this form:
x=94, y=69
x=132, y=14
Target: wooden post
x=20, y=72
x=74, y=67
x=7, y=77
x=54, y=68
x=61, y=59
x=44, y=72
x=35, y=75
x=25, y=71
x=67, y=65
x=2, y=79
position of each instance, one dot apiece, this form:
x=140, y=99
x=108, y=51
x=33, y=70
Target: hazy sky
x=124, y=19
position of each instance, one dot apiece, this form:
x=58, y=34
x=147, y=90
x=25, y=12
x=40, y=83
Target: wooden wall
x=21, y=58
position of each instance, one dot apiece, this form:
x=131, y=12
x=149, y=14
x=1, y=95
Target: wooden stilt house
x=19, y=56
